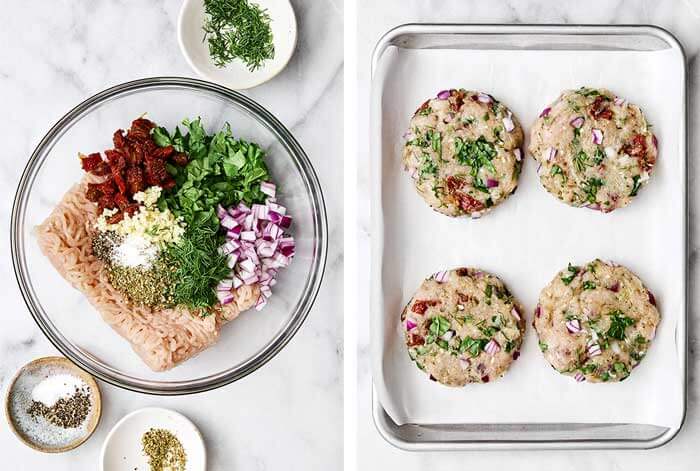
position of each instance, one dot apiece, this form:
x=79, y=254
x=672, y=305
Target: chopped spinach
x=573, y=271
x=636, y=184
x=618, y=323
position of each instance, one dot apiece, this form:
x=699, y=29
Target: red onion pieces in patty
x=597, y=136
x=577, y=122
x=256, y=245
x=579, y=377
x=492, y=347
x=508, y=124
x=440, y=276
x=444, y=95
x=573, y=326
x=545, y=112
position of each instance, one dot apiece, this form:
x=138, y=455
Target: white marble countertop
x=54, y=55
x=682, y=18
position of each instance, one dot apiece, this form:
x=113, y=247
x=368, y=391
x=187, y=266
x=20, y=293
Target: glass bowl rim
x=82, y=358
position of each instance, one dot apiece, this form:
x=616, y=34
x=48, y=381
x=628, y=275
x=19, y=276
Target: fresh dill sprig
x=236, y=29
x=199, y=267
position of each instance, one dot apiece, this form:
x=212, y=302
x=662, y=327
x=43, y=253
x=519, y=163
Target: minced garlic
x=156, y=226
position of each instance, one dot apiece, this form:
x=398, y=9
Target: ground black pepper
x=68, y=412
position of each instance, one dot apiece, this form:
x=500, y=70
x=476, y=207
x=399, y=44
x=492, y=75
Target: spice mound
x=164, y=450
x=63, y=400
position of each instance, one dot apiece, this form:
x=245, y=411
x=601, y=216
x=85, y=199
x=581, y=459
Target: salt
x=55, y=387
x=135, y=251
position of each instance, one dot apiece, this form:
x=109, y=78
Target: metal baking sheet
x=427, y=434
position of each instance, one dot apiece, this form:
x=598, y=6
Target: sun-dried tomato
x=118, y=139
x=414, y=340
x=600, y=108
x=101, y=169
x=163, y=152
x=467, y=203
x=89, y=162
x=134, y=180
x=180, y=159
x=637, y=147
x=115, y=218
x=463, y=272
x=168, y=183
x=93, y=193
x=135, y=163
x=458, y=99
x=420, y=306
x=454, y=183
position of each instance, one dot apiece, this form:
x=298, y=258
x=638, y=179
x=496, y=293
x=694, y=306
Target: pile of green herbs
x=237, y=29
x=221, y=170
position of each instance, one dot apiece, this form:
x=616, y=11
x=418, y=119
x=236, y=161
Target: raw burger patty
x=463, y=152
x=596, y=322
x=594, y=149
x=463, y=326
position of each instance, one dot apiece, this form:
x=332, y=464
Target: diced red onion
x=654, y=141
x=268, y=188
x=224, y=297
x=447, y=336
x=464, y=363
x=235, y=233
x=619, y=101
x=577, y=122
x=491, y=183
x=248, y=222
x=249, y=280
x=651, y=297
x=615, y=287
x=508, y=124
x=260, y=303
x=579, y=377
x=248, y=235
x=266, y=291
x=573, y=326
x=440, y=276
x=484, y=98
x=259, y=211
x=221, y=211
x=518, y=154
x=228, y=222
x=225, y=285
x=286, y=222
x=516, y=314
x=551, y=153
x=597, y=136
x=278, y=208
x=231, y=260
x=492, y=347
x=448, y=117
x=545, y=112
x=274, y=216
x=408, y=135
x=237, y=283
x=247, y=265
x=594, y=350
x=444, y=95
x=538, y=311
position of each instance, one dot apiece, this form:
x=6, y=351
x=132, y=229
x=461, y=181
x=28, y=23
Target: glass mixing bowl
x=65, y=315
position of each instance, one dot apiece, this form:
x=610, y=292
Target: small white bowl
x=122, y=447
x=236, y=74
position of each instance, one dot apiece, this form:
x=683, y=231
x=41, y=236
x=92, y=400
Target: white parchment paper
x=527, y=239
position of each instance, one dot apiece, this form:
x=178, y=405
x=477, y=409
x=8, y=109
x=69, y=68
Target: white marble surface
x=288, y=415
x=683, y=19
